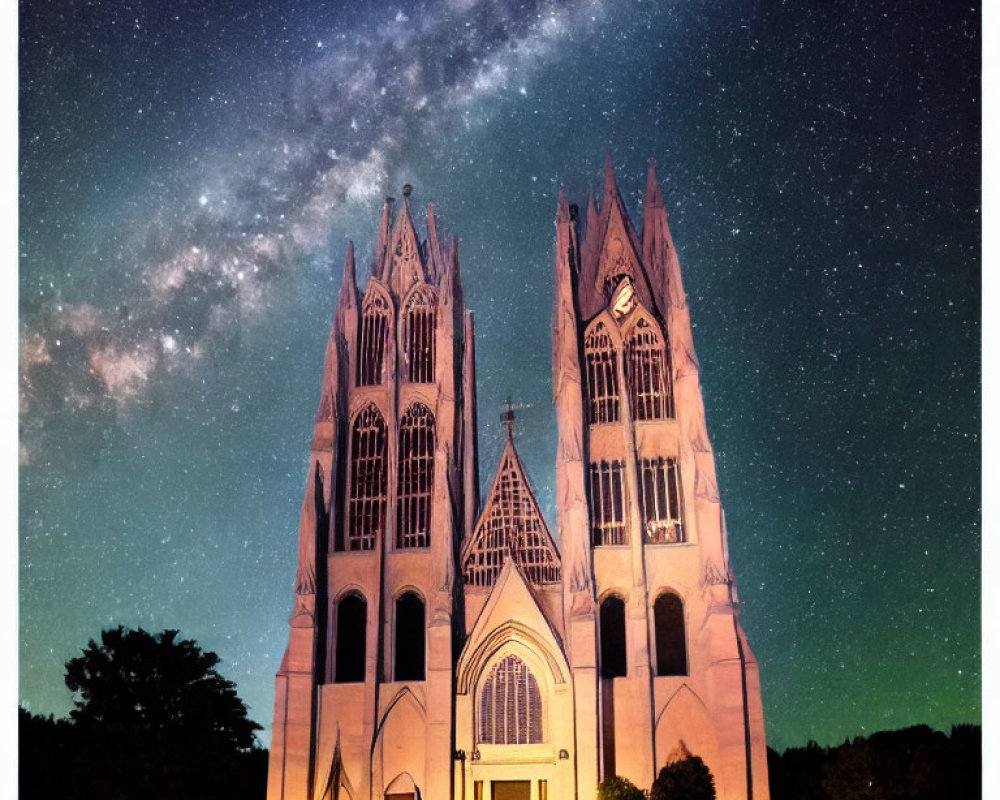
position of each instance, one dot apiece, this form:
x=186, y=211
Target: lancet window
x=510, y=525
x=410, y=639
x=371, y=342
x=613, y=637
x=607, y=502
x=510, y=706
x=668, y=623
x=602, y=376
x=648, y=388
x=416, y=474
x=660, y=500
x=418, y=337
x=367, y=501
x=349, y=659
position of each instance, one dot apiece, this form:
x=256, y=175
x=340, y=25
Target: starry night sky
x=190, y=173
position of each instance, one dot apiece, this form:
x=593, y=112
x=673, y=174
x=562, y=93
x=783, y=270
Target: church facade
x=443, y=647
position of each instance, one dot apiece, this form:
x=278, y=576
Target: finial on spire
x=407, y=190
x=507, y=418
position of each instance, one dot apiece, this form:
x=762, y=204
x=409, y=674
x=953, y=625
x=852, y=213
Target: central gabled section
x=511, y=526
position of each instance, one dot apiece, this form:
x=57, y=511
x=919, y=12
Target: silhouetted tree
x=614, y=787
x=153, y=719
x=687, y=779
x=47, y=754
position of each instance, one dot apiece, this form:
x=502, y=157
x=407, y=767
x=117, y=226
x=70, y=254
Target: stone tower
x=364, y=693
x=443, y=650
x=661, y=665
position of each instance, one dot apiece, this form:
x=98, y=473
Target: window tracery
x=418, y=337
x=510, y=705
x=648, y=387
x=602, y=376
x=607, y=502
x=371, y=342
x=660, y=500
x=510, y=525
x=367, y=499
x=416, y=476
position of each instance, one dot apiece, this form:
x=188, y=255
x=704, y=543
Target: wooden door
x=511, y=790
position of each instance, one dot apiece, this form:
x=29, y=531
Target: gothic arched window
x=671, y=647
x=367, y=500
x=602, y=376
x=349, y=659
x=409, y=637
x=607, y=502
x=416, y=474
x=613, y=652
x=648, y=386
x=510, y=706
x=371, y=342
x=660, y=499
x=418, y=337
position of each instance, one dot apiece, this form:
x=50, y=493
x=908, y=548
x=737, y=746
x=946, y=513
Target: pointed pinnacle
x=348, y=287
x=562, y=214
x=654, y=198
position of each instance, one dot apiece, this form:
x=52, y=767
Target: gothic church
x=445, y=648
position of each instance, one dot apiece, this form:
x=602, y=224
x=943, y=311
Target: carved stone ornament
x=623, y=300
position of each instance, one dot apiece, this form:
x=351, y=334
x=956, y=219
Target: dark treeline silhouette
x=916, y=763
x=153, y=719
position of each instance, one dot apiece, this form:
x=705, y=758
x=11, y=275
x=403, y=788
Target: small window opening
x=613, y=652
x=671, y=648
x=349, y=662
x=410, y=647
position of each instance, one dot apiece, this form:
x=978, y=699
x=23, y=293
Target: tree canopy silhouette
x=157, y=684
x=155, y=719
x=615, y=787
x=687, y=779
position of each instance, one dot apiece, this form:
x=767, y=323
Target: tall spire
x=567, y=396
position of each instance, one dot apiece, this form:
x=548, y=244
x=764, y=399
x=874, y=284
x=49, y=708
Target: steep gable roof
x=510, y=526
